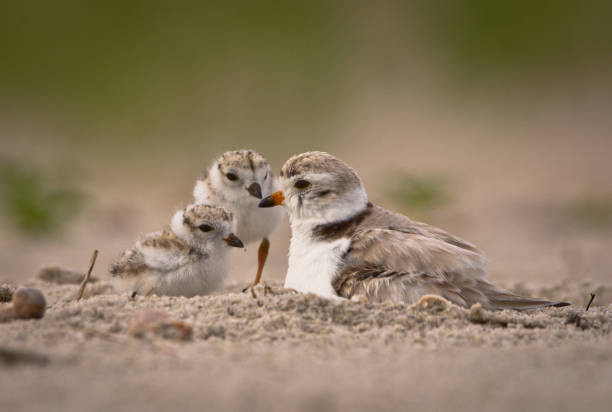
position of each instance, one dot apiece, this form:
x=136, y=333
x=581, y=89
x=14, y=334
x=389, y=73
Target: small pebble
x=433, y=303
x=158, y=323
x=27, y=303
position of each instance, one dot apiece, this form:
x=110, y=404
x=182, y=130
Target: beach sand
x=286, y=351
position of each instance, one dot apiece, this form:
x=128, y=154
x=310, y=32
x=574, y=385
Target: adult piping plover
x=236, y=181
x=344, y=246
x=189, y=258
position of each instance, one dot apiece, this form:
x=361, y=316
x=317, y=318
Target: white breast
x=254, y=223
x=178, y=274
x=199, y=278
x=313, y=264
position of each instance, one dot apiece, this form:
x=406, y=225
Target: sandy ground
x=513, y=181
x=284, y=351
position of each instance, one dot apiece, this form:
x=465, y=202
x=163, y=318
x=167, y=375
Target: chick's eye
x=205, y=228
x=302, y=184
x=231, y=177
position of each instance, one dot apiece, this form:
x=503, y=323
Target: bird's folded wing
x=130, y=263
x=383, y=218
x=409, y=252
x=390, y=264
x=400, y=266
x=160, y=251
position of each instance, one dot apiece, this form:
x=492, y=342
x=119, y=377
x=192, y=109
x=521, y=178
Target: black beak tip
x=234, y=241
x=267, y=202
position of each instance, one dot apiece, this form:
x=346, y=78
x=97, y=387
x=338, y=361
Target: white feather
x=312, y=263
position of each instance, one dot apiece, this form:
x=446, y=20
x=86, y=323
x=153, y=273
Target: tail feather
x=526, y=303
x=503, y=299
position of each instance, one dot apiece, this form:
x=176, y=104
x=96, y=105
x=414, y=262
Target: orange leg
x=262, y=255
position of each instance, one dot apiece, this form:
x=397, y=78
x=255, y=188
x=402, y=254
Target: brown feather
x=132, y=261
x=393, y=258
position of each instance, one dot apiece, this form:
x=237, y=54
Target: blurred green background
x=133, y=71
x=110, y=109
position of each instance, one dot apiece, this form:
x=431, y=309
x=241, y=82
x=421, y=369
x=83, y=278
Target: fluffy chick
x=237, y=180
x=188, y=258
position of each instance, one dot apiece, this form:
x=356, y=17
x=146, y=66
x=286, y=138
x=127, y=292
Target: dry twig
x=92, y=262
x=590, y=301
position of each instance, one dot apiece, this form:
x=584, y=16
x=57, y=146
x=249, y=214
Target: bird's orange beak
x=275, y=199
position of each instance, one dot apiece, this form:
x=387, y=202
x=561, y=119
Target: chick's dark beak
x=274, y=199
x=255, y=190
x=232, y=240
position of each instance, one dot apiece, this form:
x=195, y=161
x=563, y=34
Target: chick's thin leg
x=262, y=255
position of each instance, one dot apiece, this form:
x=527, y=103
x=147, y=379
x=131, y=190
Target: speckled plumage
x=182, y=259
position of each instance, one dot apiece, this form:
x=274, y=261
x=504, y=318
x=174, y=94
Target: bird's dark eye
x=205, y=228
x=266, y=176
x=302, y=184
x=232, y=177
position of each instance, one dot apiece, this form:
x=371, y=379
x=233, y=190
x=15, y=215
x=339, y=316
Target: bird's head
x=241, y=176
x=318, y=187
x=205, y=227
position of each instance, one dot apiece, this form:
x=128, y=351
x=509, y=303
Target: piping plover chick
x=344, y=246
x=191, y=257
x=237, y=180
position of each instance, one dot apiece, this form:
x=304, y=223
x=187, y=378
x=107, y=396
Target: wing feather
x=159, y=251
x=403, y=265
